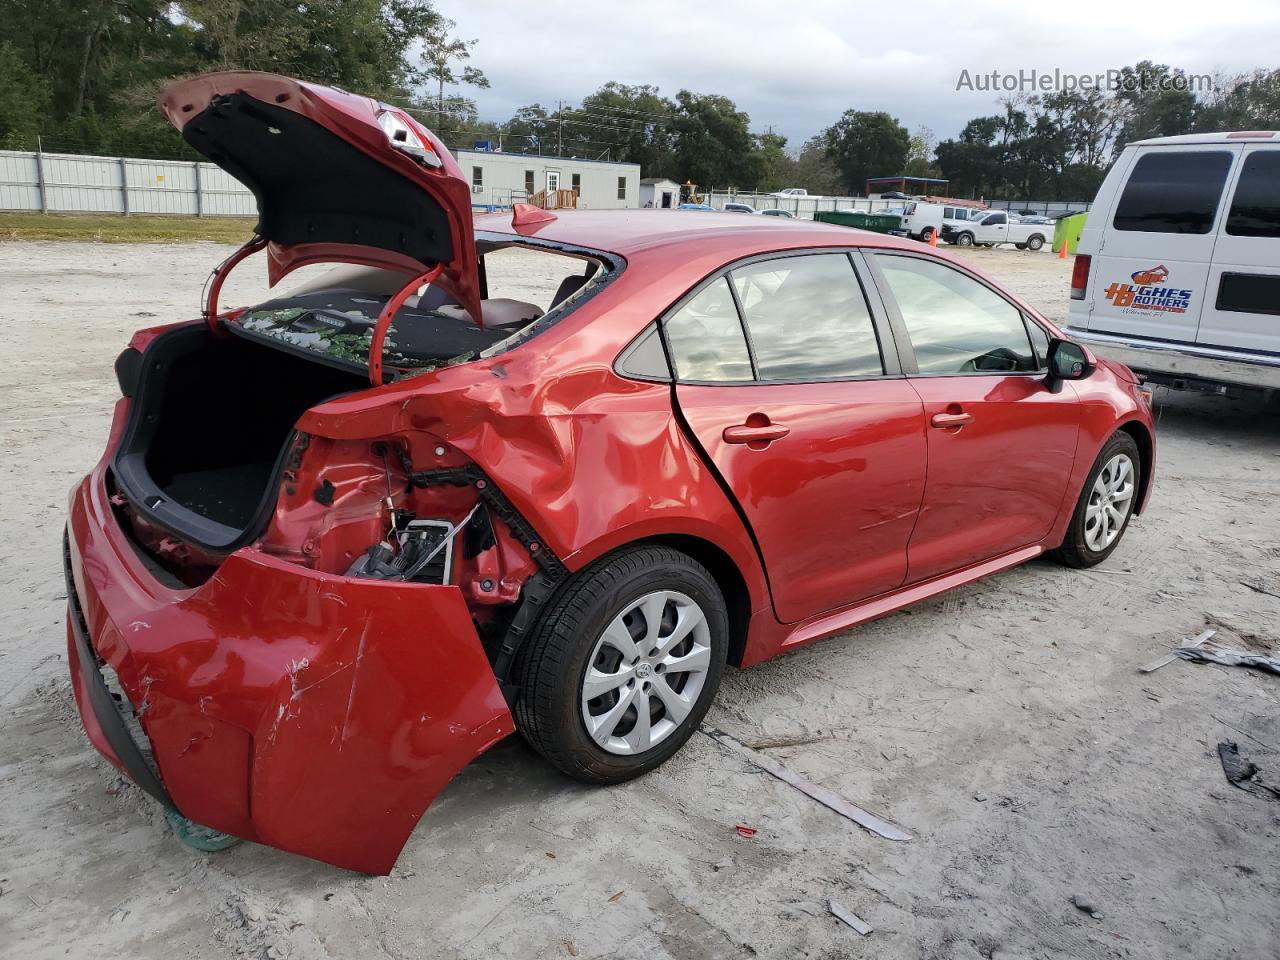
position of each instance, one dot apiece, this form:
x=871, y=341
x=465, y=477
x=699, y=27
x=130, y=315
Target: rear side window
x=1249, y=293
x=808, y=319
x=1255, y=209
x=1173, y=192
x=706, y=338
x=956, y=324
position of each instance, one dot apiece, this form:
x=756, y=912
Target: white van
x=1177, y=273
x=921, y=219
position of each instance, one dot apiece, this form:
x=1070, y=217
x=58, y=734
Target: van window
x=1173, y=192
x=1249, y=293
x=1255, y=209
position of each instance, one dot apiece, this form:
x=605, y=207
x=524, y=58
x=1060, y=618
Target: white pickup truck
x=997, y=227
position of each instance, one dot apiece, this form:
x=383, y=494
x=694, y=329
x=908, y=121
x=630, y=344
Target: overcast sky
x=797, y=66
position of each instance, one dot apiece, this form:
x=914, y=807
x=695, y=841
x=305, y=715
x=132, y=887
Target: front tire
x=926, y=234
x=1106, y=504
x=624, y=664
x=964, y=240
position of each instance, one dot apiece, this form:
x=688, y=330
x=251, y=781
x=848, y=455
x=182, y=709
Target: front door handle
x=951, y=419
x=748, y=433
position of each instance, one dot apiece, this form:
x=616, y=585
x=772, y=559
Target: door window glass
x=1255, y=209
x=956, y=324
x=706, y=338
x=808, y=318
x=1173, y=192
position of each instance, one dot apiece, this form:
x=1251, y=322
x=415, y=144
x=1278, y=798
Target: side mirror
x=1067, y=361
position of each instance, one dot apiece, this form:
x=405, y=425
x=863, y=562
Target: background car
x=738, y=208
x=775, y=212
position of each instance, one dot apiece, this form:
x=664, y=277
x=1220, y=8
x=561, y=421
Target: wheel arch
x=1146, y=458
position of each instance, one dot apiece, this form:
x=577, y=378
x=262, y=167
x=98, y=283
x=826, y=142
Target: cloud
x=796, y=67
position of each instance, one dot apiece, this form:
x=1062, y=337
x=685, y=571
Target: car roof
x=1239, y=136
x=635, y=233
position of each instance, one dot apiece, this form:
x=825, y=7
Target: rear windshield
x=334, y=316
x=1173, y=192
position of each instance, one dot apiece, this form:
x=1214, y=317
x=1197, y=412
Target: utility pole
x=560, y=135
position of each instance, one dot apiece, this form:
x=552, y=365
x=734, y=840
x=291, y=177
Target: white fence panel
x=68, y=183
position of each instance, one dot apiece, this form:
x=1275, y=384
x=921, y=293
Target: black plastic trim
x=101, y=700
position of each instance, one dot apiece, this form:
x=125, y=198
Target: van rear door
x=1242, y=302
x=1151, y=272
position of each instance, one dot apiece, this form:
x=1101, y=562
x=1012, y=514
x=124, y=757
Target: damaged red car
x=343, y=541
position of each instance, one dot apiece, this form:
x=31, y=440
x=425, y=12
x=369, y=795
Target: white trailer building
x=500, y=179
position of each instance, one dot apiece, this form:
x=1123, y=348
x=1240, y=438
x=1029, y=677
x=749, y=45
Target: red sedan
x=343, y=541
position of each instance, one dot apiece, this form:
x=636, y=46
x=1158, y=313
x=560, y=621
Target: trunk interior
x=211, y=418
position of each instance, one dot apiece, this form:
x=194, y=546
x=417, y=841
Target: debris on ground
x=824, y=796
x=1244, y=773
x=617, y=896
x=745, y=831
x=1187, y=644
x=1085, y=905
x=849, y=917
x=1230, y=658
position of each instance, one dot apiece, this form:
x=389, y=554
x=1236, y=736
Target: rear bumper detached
x=306, y=711
x=1178, y=361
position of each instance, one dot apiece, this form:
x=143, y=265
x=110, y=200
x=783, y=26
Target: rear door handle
x=951, y=419
x=743, y=433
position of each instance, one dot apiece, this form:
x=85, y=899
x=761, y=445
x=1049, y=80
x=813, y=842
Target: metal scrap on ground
x=1230, y=658
x=852, y=919
x=863, y=818
x=1164, y=661
x=1244, y=773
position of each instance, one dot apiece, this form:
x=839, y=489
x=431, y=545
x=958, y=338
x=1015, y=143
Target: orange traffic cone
x=933, y=238
x=1062, y=250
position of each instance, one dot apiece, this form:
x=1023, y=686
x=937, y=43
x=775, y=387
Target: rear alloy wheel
x=1035, y=242
x=1106, y=504
x=623, y=666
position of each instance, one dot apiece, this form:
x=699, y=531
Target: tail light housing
x=1080, y=275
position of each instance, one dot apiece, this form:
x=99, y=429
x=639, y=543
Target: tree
x=23, y=97
x=713, y=142
x=776, y=169
x=441, y=52
x=866, y=144
x=920, y=154
x=1154, y=100
x=814, y=170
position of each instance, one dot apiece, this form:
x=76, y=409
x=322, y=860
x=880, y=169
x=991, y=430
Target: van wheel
x=1106, y=504
x=622, y=667
x=965, y=240
x=1035, y=242
x=925, y=234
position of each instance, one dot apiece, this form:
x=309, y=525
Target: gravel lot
x=1004, y=725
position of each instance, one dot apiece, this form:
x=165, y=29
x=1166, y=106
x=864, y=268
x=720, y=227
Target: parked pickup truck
x=996, y=227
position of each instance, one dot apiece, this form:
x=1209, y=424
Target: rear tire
x=614, y=629
x=1105, y=506
x=1035, y=242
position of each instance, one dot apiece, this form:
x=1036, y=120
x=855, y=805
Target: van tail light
x=1080, y=276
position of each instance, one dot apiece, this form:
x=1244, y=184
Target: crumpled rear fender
x=311, y=712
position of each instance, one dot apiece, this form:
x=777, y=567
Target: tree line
x=82, y=76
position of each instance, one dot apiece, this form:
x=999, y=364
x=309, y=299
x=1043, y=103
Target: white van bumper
x=1175, y=361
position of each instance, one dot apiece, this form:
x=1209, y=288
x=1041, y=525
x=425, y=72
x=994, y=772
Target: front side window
x=996, y=219
x=1173, y=192
x=706, y=338
x=1255, y=208
x=956, y=324
x=808, y=318
x=622, y=188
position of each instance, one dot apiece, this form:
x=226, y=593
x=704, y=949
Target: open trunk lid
x=336, y=176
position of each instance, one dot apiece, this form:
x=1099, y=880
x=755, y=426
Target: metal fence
x=806, y=207
x=69, y=183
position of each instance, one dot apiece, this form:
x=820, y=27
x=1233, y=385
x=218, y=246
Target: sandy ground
x=1004, y=725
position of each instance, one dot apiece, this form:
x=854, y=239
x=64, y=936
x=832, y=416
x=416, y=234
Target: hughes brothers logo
x=1147, y=292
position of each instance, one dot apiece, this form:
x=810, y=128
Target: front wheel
x=1106, y=504
x=965, y=240
x=926, y=234
x=623, y=666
